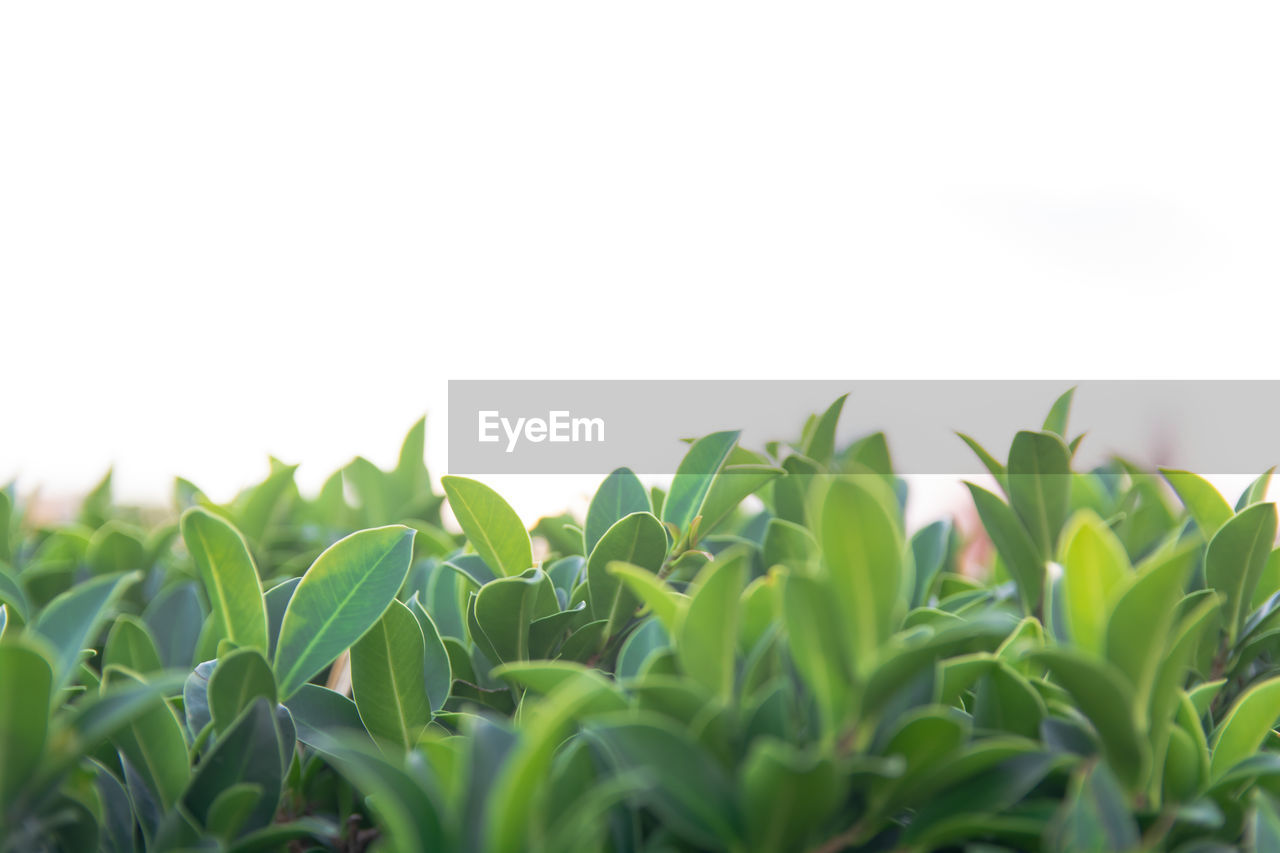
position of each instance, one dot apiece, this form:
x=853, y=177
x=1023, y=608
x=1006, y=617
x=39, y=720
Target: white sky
x=243, y=228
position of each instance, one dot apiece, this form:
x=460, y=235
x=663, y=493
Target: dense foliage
x=685, y=669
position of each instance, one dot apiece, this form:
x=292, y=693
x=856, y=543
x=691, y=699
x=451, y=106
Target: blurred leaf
x=1236, y=557
x=238, y=680
x=27, y=676
x=1096, y=565
x=1040, y=486
x=1245, y=726
x=71, y=621
x=707, y=635
x=1209, y=508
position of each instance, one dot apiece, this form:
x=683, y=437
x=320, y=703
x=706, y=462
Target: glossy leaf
x=346, y=590
x=491, y=525
x=388, y=678
x=620, y=495
x=639, y=540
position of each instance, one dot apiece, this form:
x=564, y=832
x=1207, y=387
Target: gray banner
x=1213, y=427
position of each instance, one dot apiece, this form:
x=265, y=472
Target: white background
x=235, y=229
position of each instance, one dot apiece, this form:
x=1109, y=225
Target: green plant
x=681, y=672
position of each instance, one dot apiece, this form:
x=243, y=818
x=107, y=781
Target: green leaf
x=1040, y=486
x=664, y=602
x=993, y=465
x=929, y=554
x=820, y=443
x=230, y=579
x=812, y=624
x=1095, y=565
x=503, y=610
x=1209, y=508
x=863, y=548
x=730, y=488
x=1139, y=622
x=388, y=679
x=1094, y=816
x=346, y=590
x=1257, y=490
x=71, y=621
x=694, y=796
x=154, y=744
x=694, y=476
x=1236, y=557
x=1056, y=421
x=786, y=793
x=1245, y=726
x=129, y=645
x=11, y=594
x=1264, y=827
x=1012, y=543
x=325, y=718
x=491, y=525
x=620, y=495
x=237, y=681
x=1103, y=695
x=437, y=674
x=231, y=808
x=638, y=539
x=707, y=636
x=25, y=699
x=788, y=544
x=247, y=753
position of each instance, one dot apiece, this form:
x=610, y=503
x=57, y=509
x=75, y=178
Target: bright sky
x=246, y=228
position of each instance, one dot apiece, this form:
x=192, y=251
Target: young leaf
x=230, y=579
x=1209, y=508
x=1095, y=565
x=864, y=553
x=346, y=590
x=388, y=679
x=693, y=478
x=1014, y=546
x=1056, y=421
x=707, y=635
x=820, y=444
x=1040, y=485
x=129, y=645
x=491, y=525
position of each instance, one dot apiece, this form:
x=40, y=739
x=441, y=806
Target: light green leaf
x=1056, y=421
x=1139, y=623
x=25, y=700
x=693, y=478
x=820, y=442
x=730, y=488
x=503, y=610
x=1206, y=505
x=1245, y=726
x=707, y=636
x=230, y=579
x=993, y=465
x=812, y=628
x=491, y=525
x=346, y=590
x=1095, y=565
x=863, y=548
x=665, y=603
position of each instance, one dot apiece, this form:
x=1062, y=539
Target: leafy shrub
x=686, y=670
